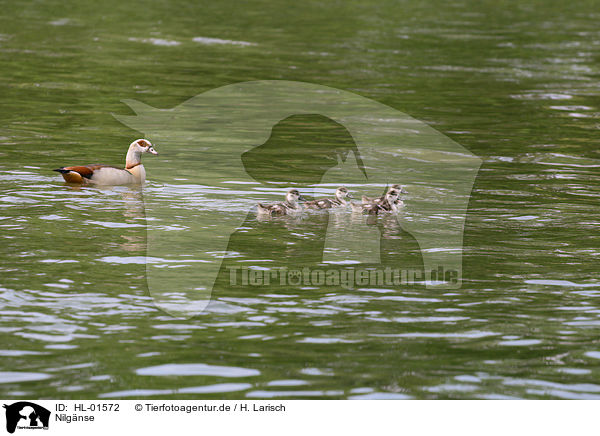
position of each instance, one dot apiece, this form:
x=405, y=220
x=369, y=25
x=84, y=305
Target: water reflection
x=76, y=318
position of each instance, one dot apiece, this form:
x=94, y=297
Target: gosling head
x=342, y=193
x=392, y=195
x=293, y=196
x=398, y=188
x=143, y=146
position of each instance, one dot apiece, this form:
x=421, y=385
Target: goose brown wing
x=86, y=170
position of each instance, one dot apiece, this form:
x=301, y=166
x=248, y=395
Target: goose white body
x=117, y=176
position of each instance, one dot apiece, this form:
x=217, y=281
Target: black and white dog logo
x=26, y=415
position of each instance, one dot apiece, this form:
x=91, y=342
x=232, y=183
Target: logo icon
x=26, y=415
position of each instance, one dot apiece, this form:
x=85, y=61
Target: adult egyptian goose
x=133, y=172
x=289, y=207
x=341, y=194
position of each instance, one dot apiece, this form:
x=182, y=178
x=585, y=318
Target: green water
x=517, y=85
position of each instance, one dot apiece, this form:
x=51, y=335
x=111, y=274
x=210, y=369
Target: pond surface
x=516, y=87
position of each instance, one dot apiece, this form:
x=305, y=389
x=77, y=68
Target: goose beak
x=301, y=198
x=153, y=151
x=348, y=195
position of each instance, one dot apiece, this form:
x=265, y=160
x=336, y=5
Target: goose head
x=143, y=146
